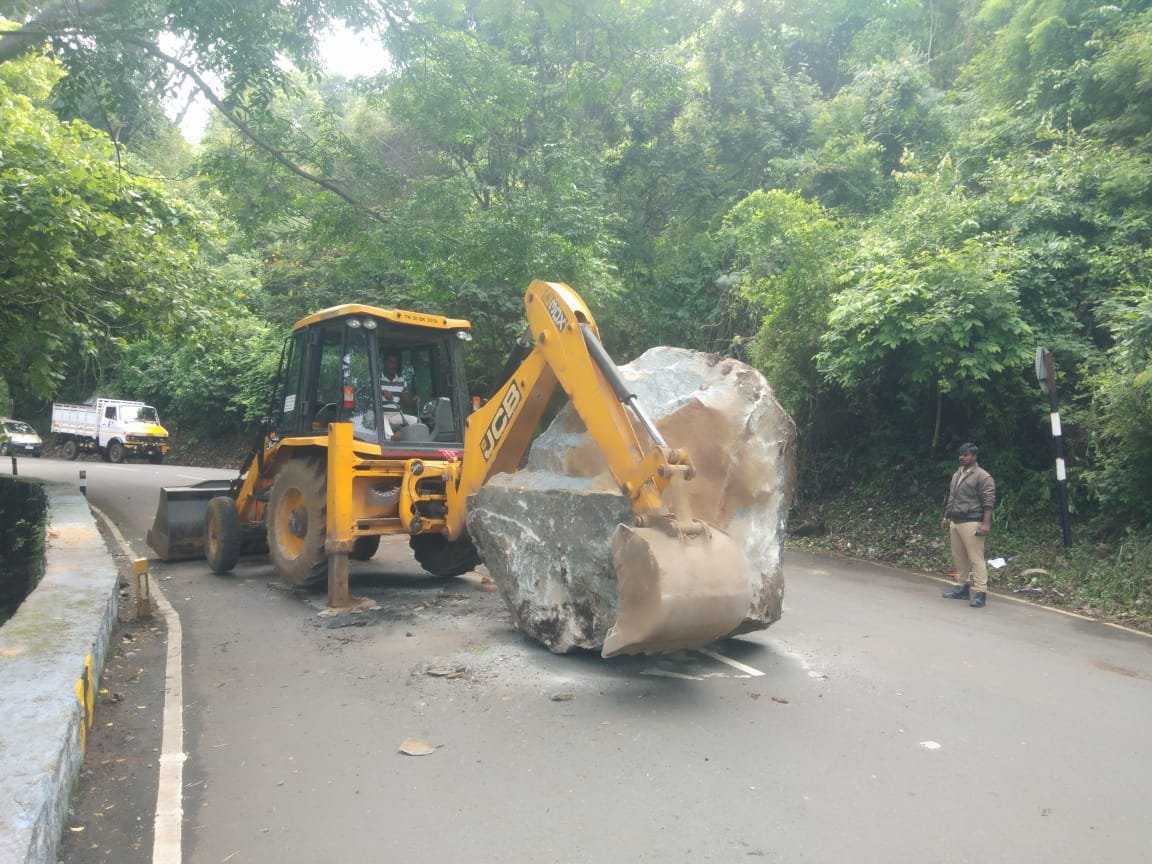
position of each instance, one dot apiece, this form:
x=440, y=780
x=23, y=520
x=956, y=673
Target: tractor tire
x=363, y=548
x=222, y=534
x=297, y=522
x=71, y=450
x=443, y=558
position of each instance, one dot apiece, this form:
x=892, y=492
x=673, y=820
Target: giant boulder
x=545, y=532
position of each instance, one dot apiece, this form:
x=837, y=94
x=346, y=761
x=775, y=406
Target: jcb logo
x=556, y=313
x=499, y=424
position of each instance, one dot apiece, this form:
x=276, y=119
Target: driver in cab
x=394, y=392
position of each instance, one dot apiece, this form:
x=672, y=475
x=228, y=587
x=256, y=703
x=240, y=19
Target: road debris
x=447, y=671
x=416, y=747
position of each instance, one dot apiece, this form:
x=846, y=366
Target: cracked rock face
x=545, y=532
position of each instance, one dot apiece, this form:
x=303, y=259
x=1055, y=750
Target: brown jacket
x=970, y=494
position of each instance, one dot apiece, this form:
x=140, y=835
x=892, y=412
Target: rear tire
x=297, y=522
x=221, y=534
x=363, y=548
x=440, y=557
x=71, y=450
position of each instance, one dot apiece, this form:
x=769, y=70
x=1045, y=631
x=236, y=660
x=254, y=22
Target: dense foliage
x=886, y=205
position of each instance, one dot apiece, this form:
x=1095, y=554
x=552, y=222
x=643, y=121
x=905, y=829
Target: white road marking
x=168, y=830
x=664, y=673
x=735, y=664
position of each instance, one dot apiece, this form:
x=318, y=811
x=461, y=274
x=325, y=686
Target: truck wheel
x=363, y=548
x=443, y=558
x=71, y=450
x=297, y=522
x=155, y=458
x=221, y=534
x=115, y=452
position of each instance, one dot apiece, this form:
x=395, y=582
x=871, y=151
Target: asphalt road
x=888, y=725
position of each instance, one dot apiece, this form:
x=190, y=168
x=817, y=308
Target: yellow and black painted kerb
x=86, y=696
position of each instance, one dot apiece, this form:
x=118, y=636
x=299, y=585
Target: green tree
x=1121, y=469
x=925, y=323
x=788, y=252
x=89, y=254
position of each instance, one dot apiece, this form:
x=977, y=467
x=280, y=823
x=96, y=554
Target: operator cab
x=334, y=370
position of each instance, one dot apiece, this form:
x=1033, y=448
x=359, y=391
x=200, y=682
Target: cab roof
x=396, y=316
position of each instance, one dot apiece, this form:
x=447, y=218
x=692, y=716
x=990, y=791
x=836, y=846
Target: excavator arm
x=682, y=583
x=498, y=433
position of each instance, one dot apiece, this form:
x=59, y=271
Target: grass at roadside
x=1102, y=577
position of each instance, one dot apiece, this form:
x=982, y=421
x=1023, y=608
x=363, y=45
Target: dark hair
x=968, y=448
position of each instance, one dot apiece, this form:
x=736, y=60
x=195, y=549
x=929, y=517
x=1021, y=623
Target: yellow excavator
x=347, y=456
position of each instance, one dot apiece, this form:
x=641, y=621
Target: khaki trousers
x=968, y=554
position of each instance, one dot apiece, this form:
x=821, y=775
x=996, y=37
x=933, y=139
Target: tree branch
x=247, y=131
x=53, y=21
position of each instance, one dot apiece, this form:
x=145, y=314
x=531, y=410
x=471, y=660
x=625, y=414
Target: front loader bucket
x=676, y=592
x=177, y=534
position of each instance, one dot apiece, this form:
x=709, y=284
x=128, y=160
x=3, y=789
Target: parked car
x=17, y=438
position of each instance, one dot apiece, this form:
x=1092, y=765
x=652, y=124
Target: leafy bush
x=216, y=379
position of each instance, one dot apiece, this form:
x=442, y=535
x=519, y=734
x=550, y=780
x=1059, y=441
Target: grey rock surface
x=545, y=532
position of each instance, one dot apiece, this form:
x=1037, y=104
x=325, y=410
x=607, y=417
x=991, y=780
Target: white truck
x=117, y=429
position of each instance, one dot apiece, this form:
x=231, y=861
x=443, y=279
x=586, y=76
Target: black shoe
x=960, y=592
x=979, y=598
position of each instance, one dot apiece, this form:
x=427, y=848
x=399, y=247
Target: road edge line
x=167, y=833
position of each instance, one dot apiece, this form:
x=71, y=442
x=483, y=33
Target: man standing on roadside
x=968, y=519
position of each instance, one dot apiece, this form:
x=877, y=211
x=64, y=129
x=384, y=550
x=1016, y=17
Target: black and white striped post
x=1046, y=375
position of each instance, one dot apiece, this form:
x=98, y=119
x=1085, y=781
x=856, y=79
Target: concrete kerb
x=52, y=653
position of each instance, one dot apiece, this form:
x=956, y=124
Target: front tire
x=297, y=522
x=115, y=451
x=156, y=458
x=443, y=558
x=222, y=534
x=71, y=450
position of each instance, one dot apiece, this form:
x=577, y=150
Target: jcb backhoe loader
x=341, y=463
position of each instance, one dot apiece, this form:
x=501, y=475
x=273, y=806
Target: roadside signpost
x=1046, y=376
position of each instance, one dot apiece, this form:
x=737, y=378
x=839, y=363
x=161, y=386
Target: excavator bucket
x=177, y=534
x=675, y=592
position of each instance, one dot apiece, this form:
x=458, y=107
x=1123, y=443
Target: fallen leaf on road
x=780, y=699
x=562, y=697
x=416, y=747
